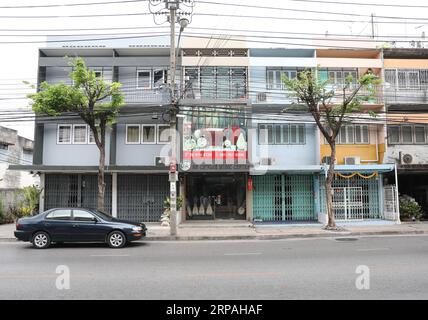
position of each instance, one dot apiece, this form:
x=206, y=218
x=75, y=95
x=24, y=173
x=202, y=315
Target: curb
x=271, y=236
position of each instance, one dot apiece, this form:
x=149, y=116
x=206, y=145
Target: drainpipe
x=396, y=195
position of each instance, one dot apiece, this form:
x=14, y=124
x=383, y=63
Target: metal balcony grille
x=283, y=198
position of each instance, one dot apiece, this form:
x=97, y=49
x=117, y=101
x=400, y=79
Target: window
x=64, y=134
x=274, y=77
x=148, y=134
x=353, y=134
x=163, y=134
x=159, y=77
x=406, y=134
x=4, y=146
x=394, y=134
x=281, y=133
x=216, y=82
x=60, y=214
x=132, y=133
x=79, y=133
x=144, y=79
x=362, y=134
x=81, y=215
x=339, y=77
x=419, y=134
x=91, y=139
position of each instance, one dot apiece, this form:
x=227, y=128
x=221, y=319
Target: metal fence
x=283, y=198
x=390, y=203
x=354, y=198
x=140, y=197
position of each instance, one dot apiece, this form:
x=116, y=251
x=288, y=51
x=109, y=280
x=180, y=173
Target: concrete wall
x=418, y=152
x=286, y=157
x=70, y=154
x=15, y=154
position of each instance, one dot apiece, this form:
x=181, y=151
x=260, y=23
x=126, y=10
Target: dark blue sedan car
x=77, y=225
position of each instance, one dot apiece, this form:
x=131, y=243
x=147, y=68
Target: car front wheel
x=116, y=239
x=41, y=240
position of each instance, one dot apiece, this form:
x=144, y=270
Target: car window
x=81, y=215
x=103, y=215
x=60, y=214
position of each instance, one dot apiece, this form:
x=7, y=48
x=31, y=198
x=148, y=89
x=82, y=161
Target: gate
x=140, y=197
x=283, y=198
x=390, y=203
x=348, y=203
x=75, y=190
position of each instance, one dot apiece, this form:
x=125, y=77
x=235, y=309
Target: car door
x=59, y=225
x=87, y=227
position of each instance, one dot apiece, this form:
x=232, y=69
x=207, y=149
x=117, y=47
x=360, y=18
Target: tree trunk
x=329, y=188
x=101, y=182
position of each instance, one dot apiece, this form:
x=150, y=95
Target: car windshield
x=103, y=215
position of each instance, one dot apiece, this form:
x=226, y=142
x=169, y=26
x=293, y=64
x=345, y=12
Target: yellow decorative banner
x=357, y=174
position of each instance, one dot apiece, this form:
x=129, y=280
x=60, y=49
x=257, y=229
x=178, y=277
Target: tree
x=316, y=96
x=96, y=101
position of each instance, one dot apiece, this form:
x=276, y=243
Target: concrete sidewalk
x=246, y=230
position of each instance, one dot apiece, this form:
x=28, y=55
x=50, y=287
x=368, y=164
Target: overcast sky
x=19, y=61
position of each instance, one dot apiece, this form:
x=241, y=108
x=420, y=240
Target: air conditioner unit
x=161, y=161
x=352, y=160
x=261, y=97
x=267, y=161
x=407, y=158
x=327, y=160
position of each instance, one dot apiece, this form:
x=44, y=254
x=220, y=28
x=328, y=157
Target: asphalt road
x=281, y=269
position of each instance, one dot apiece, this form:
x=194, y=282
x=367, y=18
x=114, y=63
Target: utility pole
x=172, y=11
x=173, y=6
x=373, y=27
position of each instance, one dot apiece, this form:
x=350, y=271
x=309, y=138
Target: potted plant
x=409, y=209
x=165, y=218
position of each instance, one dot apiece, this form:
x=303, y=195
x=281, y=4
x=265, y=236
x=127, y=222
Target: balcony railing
x=406, y=95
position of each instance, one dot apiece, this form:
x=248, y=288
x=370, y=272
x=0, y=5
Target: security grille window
x=60, y=214
x=163, y=134
x=64, y=134
x=132, y=134
x=413, y=79
x=407, y=134
x=282, y=133
x=79, y=134
x=148, y=134
x=420, y=134
x=393, y=134
x=275, y=76
x=215, y=83
x=144, y=79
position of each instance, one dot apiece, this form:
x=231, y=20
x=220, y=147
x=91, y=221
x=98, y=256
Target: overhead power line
x=396, y=5
x=70, y=4
x=305, y=10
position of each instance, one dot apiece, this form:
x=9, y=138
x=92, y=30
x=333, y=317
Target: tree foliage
x=95, y=100
x=331, y=106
